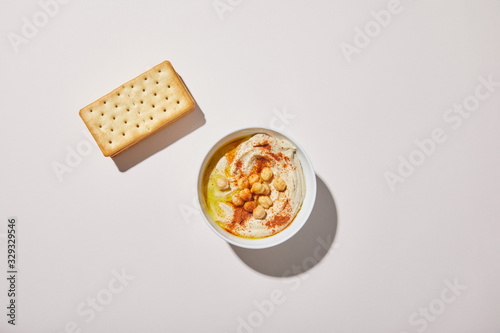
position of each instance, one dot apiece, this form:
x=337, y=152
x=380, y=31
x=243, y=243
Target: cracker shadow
x=305, y=249
x=160, y=140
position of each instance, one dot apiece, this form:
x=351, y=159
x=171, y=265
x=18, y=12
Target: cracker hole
x=114, y=117
x=131, y=86
x=102, y=114
x=152, y=105
x=104, y=102
x=100, y=126
x=151, y=118
x=90, y=110
x=118, y=94
x=142, y=102
x=116, y=105
x=166, y=97
x=155, y=95
x=164, y=110
x=178, y=102
x=112, y=130
x=123, y=133
x=137, y=125
x=168, y=86
x=128, y=109
x=110, y=142
x=145, y=78
x=143, y=89
x=156, y=82
x=159, y=71
x=125, y=121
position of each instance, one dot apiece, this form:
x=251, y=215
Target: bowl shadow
x=305, y=249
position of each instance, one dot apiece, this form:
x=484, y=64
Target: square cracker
x=137, y=109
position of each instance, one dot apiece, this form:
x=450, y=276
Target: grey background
x=368, y=259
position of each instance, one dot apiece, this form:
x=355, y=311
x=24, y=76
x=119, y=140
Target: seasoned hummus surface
x=254, y=186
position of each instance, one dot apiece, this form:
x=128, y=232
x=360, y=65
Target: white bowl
x=300, y=218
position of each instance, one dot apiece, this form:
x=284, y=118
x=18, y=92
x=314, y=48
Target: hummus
x=241, y=160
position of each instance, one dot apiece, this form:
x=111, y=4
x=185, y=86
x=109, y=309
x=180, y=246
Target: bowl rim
x=276, y=239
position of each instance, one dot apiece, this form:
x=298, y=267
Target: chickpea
x=266, y=174
x=266, y=190
x=279, y=184
x=222, y=183
x=257, y=187
x=246, y=195
x=261, y=189
x=253, y=179
x=259, y=212
x=265, y=201
x=243, y=183
x=237, y=201
x=250, y=206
